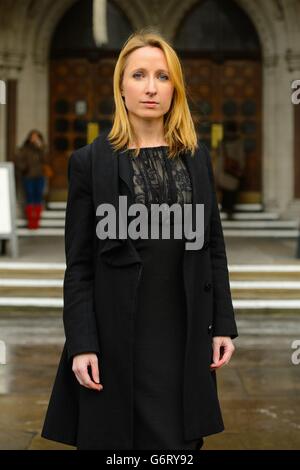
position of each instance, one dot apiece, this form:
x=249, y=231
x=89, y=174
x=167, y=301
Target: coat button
x=207, y=286
x=209, y=328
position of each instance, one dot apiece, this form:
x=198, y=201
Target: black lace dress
x=160, y=317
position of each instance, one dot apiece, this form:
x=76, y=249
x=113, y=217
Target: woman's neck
x=149, y=134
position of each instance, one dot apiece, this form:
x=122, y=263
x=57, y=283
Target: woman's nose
x=151, y=86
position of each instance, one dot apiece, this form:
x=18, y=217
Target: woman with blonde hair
x=147, y=321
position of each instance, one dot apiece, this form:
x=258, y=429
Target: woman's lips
x=149, y=103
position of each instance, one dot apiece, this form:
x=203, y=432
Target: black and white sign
x=8, y=206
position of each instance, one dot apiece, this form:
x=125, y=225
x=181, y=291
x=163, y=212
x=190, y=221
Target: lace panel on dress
x=159, y=179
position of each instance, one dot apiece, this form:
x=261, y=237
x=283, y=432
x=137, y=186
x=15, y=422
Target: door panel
x=80, y=92
x=229, y=91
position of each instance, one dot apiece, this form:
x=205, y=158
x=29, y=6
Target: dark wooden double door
x=81, y=92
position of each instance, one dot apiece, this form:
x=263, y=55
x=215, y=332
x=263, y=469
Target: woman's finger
x=78, y=378
x=216, y=352
x=224, y=360
x=95, y=371
x=86, y=380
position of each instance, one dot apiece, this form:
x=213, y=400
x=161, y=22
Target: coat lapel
x=126, y=173
x=106, y=172
x=109, y=167
x=201, y=190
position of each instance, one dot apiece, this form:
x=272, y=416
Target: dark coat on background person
x=29, y=160
x=234, y=149
x=100, y=287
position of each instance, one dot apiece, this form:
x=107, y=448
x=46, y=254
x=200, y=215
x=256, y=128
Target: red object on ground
x=33, y=214
x=29, y=210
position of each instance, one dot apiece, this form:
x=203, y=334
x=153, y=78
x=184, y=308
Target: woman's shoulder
x=202, y=151
x=202, y=146
x=84, y=154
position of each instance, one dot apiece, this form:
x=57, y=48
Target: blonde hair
x=179, y=129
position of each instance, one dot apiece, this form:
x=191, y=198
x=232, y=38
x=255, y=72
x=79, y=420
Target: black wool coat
x=100, y=286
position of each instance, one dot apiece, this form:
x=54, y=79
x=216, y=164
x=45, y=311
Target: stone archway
x=278, y=30
x=45, y=28
x=221, y=57
x=277, y=182
x=80, y=83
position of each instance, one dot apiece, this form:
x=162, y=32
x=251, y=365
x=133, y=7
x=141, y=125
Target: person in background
x=31, y=163
x=230, y=166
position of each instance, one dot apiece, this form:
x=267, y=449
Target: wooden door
x=229, y=91
x=80, y=92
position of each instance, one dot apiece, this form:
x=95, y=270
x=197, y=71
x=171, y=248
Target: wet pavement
x=259, y=389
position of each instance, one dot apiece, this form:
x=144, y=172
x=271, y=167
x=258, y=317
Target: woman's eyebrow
x=158, y=70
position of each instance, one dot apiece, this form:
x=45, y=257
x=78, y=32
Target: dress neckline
x=145, y=148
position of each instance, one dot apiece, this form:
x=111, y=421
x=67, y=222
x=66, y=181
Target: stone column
x=278, y=130
x=2, y=129
x=269, y=133
x=32, y=99
x=293, y=66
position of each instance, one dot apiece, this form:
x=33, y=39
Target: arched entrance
x=221, y=55
x=81, y=79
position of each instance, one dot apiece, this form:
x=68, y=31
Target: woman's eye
x=137, y=74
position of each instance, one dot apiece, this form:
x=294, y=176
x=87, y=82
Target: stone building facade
x=29, y=51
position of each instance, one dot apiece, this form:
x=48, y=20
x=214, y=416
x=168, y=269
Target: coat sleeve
x=223, y=316
x=78, y=313
x=20, y=160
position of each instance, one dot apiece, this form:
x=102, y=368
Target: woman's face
x=146, y=78
x=35, y=139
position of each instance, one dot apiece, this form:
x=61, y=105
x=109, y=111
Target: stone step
x=226, y=224
x=31, y=305
x=247, y=207
x=60, y=214
x=29, y=270
x=259, y=272
x=41, y=232
x=44, y=222
x=52, y=214
x=267, y=306
x=57, y=205
x=249, y=220
x=255, y=272
x=48, y=288
x=260, y=224
x=265, y=289
x=61, y=205
x=261, y=288
x=262, y=306
x=252, y=216
x=229, y=233
x=261, y=233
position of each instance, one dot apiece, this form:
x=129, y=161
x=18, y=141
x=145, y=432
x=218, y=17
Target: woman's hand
x=81, y=363
x=223, y=349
